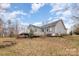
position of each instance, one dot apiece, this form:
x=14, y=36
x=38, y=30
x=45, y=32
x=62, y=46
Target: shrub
x=31, y=33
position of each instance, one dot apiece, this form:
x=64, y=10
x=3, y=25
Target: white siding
x=50, y=30
x=59, y=28
x=36, y=31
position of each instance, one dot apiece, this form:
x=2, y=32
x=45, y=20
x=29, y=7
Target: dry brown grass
x=48, y=46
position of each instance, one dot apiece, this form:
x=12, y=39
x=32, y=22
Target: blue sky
x=37, y=16
x=37, y=13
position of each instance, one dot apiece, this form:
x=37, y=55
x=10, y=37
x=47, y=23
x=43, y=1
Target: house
x=54, y=28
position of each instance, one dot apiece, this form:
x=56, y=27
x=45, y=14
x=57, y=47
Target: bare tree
x=10, y=28
x=1, y=27
x=76, y=29
x=75, y=18
x=16, y=27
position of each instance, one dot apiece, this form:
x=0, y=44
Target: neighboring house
x=37, y=31
x=53, y=28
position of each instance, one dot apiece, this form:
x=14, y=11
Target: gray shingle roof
x=51, y=24
x=47, y=25
x=34, y=26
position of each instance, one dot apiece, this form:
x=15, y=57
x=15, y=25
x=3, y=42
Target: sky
x=37, y=13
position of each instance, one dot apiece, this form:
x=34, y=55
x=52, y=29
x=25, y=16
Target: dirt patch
x=7, y=44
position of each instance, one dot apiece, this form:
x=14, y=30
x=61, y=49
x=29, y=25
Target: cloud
x=50, y=18
x=15, y=13
x=67, y=13
x=38, y=24
x=4, y=5
x=3, y=10
x=36, y=6
x=62, y=11
x=6, y=15
x=75, y=9
x=58, y=7
x=24, y=24
x=50, y=21
x=9, y=15
x=55, y=7
x=13, y=16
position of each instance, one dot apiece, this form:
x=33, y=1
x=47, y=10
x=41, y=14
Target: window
x=35, y=30
x=50, y=29
x=42, y=30
x=47, y=29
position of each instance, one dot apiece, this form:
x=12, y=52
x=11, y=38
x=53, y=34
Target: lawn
x=42, y=46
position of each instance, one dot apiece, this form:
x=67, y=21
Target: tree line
x=8, y=28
